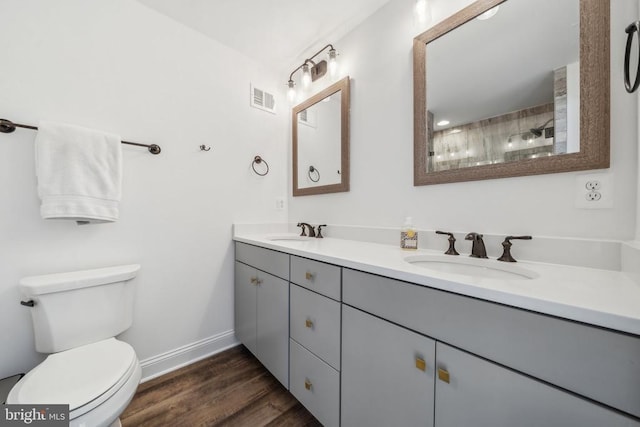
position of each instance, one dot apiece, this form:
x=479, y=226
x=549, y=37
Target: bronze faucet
x=506, y=254
x=319, y=234
x=477, y=249
x=452, y=241
x=312, y=231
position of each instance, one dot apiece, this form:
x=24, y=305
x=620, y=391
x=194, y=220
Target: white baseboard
x=182, y=356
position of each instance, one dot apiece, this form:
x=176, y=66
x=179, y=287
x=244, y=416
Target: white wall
x=378, y=57
x=121, y=67
x=319, y=144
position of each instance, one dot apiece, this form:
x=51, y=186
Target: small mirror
x=321, y=142
x=498, y=93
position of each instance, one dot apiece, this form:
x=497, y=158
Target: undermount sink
x=287, y=237
x=474, y=267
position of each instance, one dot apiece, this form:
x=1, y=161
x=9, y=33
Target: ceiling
x=278, y=33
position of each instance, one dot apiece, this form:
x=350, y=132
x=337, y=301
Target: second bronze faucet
x=478, y=249
x=312, y=230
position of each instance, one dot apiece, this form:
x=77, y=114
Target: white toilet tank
x=80, y=307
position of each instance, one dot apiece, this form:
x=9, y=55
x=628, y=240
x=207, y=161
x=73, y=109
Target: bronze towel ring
x=256, y=161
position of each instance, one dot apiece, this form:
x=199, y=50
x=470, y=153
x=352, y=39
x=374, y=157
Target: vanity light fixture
x=312, y=71
x=306, y=75
x=442, y=123
x=333, y=63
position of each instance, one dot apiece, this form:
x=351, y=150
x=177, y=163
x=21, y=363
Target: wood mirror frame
x=594, y=102
x=341, y=86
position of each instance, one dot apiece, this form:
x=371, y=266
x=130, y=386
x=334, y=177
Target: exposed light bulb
x=291, y=92
x=442, y=123
x=306, y=76
x=422, y=11
x=333, y=63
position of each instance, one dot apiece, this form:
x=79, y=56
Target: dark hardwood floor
x=229, y=389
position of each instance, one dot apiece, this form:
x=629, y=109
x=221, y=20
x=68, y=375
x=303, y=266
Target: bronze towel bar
x=7, y=126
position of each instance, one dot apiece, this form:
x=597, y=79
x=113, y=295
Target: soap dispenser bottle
x=408, y=235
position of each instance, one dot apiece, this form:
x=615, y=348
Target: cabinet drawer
x=315, y=323
x=315, y=384
x=593, y=362
x=267, y=260
x=317, y=276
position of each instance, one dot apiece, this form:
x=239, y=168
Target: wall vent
x=307, y=117
x=263, y=100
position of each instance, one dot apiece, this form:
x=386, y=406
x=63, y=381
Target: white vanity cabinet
x=262, y=306
x=315, y=338
x=504, y=366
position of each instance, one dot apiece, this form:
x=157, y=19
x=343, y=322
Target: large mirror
x=512, y=88
x=321, y=142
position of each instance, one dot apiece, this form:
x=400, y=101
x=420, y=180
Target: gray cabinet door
x=384, y=380
x=245, y=305
x=482, y=394
x=273, y=325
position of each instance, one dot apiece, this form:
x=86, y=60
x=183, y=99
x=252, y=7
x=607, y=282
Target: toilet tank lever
x=29, y=303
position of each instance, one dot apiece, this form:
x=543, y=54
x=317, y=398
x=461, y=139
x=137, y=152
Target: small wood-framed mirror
x=525, y=92
x=321, y=142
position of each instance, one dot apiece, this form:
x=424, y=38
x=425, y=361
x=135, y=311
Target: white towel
x=79, y=173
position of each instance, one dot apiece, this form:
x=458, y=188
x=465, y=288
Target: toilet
x=76, y=317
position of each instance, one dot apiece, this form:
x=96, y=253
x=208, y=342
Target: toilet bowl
x=96, y=380
x=88, y=368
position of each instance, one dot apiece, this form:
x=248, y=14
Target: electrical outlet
x=593, y=196
x=594, y=191
x=592, y=185
x=280, y=203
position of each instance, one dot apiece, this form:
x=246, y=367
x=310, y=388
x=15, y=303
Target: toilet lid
x=77, y=376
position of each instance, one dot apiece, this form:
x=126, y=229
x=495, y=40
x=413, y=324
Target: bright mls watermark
x=34, y=415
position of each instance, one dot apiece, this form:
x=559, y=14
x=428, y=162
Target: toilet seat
x=83, y=377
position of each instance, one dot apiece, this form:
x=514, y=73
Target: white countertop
x=604, y=298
